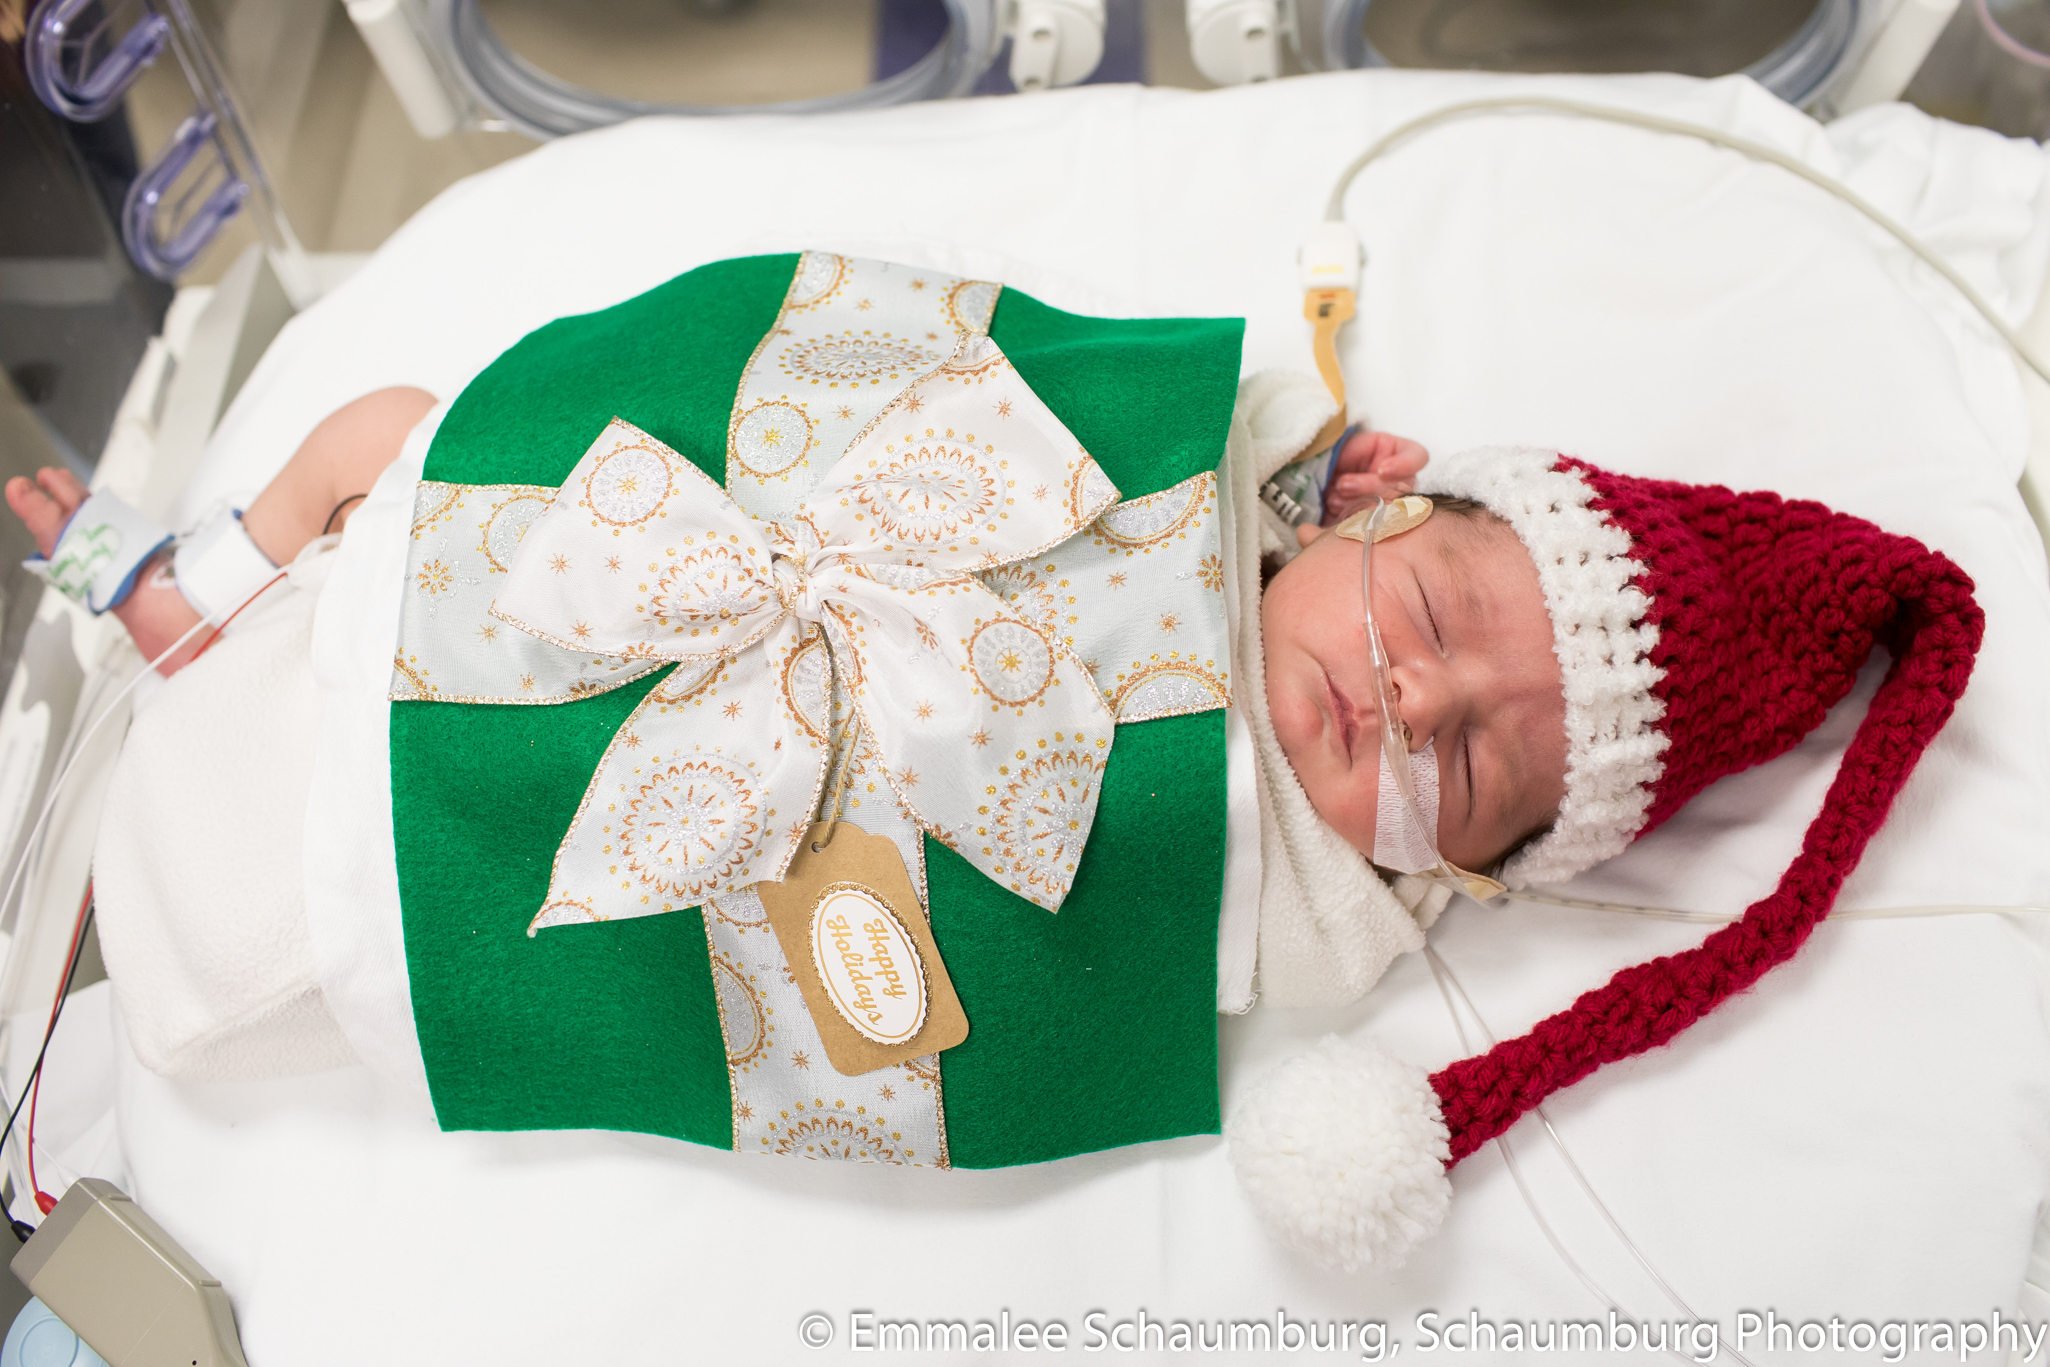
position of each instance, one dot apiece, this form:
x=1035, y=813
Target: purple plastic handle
x=95, y=92
x=167, y=260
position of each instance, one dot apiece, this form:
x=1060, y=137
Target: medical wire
x=207, y=644
x=44, y=1201
x=29, y=849
x=1334, y=209
x=1448, y=983
x=329, y=525
x=22, y=1229
x=30, y=846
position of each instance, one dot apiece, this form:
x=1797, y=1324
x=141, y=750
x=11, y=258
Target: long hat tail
x=1934, y=636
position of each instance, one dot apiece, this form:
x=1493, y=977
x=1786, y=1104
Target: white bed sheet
x=1863, y=1135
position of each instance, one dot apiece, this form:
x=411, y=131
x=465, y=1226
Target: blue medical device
x=37, y=1338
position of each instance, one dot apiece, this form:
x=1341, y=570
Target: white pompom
x=1342, y=1150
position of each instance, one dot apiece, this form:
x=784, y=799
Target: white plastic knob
x=1235, y=41
x=1054, y=42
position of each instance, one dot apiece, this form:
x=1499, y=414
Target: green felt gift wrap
x=1089, y=1028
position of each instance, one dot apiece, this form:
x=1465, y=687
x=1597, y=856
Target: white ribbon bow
x=991, y=734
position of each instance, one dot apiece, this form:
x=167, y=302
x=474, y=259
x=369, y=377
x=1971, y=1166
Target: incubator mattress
x=1861, y=1136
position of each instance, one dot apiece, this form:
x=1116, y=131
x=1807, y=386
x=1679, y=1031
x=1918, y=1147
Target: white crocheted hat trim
x=1604, y=645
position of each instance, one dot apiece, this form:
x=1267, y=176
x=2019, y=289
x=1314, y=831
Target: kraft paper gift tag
x=855, y=936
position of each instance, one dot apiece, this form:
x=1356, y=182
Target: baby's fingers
x=1350, y=493
x=1396, y=460
x=1358, y=455
x=1372, y=465
x=1360, y=487
x=1400, y=460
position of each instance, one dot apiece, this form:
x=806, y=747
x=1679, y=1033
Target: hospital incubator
x=218, y=228
x=261, y=140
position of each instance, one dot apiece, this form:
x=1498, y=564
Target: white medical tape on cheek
x=1399, y=844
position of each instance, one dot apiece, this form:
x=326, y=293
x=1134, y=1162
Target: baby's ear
x=1307, y=533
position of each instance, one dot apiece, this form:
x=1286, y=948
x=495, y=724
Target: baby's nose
x=1422, y=704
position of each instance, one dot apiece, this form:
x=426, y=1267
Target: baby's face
x=1470, y=652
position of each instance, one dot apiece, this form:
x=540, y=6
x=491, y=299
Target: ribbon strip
x=992, y=735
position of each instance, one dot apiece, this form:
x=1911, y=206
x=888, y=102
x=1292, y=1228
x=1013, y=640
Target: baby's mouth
x=1343, y=713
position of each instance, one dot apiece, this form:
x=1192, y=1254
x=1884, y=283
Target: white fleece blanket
x=1861, y=1136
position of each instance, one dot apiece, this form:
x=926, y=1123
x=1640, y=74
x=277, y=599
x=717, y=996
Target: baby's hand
x=1372, y=465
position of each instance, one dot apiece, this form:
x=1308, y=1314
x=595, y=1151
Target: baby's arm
x=1372, y=465
x=315, y=492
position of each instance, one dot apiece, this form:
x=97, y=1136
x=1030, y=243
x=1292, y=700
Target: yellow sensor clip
x=1329, y=263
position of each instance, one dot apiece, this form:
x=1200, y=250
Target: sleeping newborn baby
x=1558, y=657
x=1462, y=616
x=1464, y=622
x=1469, y=644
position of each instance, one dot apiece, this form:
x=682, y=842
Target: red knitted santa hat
x=1699, y=632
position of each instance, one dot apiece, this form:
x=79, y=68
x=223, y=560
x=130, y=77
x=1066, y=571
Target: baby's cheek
x=1345, y=807
x=1293, y=721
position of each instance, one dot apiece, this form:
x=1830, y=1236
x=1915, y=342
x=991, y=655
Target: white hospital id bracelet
x=218, y=566
x=99, y=553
